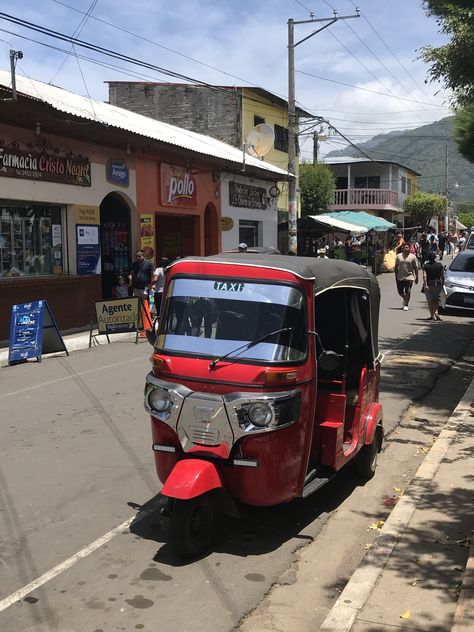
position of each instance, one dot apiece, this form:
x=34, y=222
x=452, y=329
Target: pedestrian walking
x=441, y=244
x=424, y=248
x=399, y=244
x=433, y=281
x=406, y=271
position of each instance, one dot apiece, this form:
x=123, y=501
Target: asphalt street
x=76, y=465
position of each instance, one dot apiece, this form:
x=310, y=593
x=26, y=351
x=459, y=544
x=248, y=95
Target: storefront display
x=30, y=240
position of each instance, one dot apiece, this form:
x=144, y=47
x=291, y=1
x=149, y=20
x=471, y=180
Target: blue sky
x=243, y=42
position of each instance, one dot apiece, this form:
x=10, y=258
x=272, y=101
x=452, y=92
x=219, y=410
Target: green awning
x=361, y=218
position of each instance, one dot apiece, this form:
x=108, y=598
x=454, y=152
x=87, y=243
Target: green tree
x=423, y=206
x=466, y=218
x=464, y=131
x=317, y=185
x=453, y=63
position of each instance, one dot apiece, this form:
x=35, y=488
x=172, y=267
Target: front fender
x=190, y=478
x=373, y=419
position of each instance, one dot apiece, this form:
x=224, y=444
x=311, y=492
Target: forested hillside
x=424, y=150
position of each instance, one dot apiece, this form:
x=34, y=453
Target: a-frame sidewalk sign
x=33, y=332
x=118, y=316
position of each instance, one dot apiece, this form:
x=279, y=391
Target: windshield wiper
x=247, y=345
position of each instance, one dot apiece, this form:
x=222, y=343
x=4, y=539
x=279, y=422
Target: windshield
x=213, y=317
x=463, y=264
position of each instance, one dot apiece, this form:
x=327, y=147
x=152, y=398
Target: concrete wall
x=196, y=108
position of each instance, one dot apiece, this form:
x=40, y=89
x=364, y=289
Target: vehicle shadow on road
x=258, y=530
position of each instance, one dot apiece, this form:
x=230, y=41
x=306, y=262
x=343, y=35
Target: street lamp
x=292, y=216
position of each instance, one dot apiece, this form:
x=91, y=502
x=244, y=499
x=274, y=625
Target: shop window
x=248, y=232
x=281, y=138
x=30, y=240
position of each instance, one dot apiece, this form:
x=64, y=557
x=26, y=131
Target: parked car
x=459, y=282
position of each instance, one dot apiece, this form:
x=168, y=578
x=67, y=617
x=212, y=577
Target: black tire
x=366, y=461
x=192, y=524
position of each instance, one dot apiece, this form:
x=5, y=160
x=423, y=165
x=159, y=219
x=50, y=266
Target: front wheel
x=366, y=461
x=192, y=524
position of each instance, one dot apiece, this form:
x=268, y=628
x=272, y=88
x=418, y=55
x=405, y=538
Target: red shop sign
x=178, y=186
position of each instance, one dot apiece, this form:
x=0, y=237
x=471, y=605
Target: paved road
x=75, y=462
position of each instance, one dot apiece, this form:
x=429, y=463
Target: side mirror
x=151, y=336
x=329, y=360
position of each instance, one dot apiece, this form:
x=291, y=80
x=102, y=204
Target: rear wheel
x=366, y=461
x=192, y=525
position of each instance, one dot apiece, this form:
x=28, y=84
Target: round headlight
x=159, y=400
x=260, y=414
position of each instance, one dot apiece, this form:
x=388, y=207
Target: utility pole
x=14, y=55
x=292, y=126
x=446, y=190
x=315, y=146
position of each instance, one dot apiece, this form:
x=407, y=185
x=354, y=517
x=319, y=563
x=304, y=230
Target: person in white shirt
x=406, y=271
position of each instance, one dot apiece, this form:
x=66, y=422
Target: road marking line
x=69, y=377
x=63, y=566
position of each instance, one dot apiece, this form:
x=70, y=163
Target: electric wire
x=77, y=31
x=402, y=66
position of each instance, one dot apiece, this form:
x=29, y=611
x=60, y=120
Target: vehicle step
x=313, y=481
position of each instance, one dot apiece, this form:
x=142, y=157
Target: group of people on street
x=406, y=273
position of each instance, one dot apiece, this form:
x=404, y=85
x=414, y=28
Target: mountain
x=424, y=150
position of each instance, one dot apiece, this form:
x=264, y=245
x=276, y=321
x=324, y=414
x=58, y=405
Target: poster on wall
x=147, y=231
x=88, y=249
x=178, y=186
x=86, y=214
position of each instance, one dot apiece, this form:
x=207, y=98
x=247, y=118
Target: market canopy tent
x=363, y=219
x=329, y=221
x=353, y=222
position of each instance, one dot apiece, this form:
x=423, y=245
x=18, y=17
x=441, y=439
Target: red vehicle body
x=265, y=383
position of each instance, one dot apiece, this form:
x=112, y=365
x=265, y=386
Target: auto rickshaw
x=265, y=383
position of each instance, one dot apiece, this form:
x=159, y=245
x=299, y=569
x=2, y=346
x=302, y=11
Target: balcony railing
x=367, y=198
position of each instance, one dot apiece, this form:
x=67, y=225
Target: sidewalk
x=419, y=572
x=76, y=342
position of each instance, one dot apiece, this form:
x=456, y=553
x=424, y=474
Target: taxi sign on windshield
x=229, y=286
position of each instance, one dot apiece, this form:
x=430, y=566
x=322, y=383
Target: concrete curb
x=357, y=591
x=464, y=614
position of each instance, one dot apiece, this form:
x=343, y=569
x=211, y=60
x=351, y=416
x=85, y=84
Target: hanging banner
x=147, y=231
x=33, y=332
x=88, y=249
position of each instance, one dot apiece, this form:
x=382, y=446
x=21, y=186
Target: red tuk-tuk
x=265, y=383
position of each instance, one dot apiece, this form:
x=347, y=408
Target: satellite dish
x=260, y=140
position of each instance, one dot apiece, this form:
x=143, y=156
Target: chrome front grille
x=204, y=436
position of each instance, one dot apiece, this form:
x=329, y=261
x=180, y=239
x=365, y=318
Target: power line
x=394, y=55
x=350, y=85
x=77, y=31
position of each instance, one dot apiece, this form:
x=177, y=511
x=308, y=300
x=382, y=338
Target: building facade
x=377, y=187
x=84, y=185
x=223, y=112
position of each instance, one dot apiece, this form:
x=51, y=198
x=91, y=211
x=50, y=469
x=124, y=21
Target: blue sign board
x=117, y=172
x=88, y=249
x=33, y=331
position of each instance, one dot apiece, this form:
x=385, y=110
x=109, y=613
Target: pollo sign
x=178, y=186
